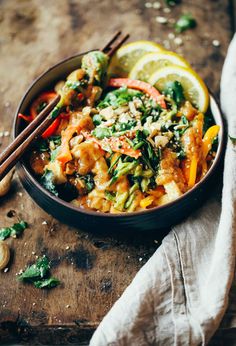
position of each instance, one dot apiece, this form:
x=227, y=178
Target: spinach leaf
x=102, y=132
x=186, y=21
x=37, y=270
x=175, y=91
x=47, y=181
x=13, y=231
x=125, y=126
x=47, y=283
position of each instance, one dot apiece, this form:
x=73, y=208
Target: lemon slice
x=152, y=62
x=126, y=56
x=194, y=88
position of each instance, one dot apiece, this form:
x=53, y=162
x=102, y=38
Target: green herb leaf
x=88, y=181
x=172, y=2
x=97, y=119
x=42, y=145
x=175, y=91
x=47, y=283
x=54, y=154
x=233, y=139
x=119, y=97
x=102, y=132
x=37, y=270
x=55, y=139
x=13, y=231
x=47, y=181
x=186, y=21
x=5, y=233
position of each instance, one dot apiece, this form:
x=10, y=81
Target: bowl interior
x=59, y=72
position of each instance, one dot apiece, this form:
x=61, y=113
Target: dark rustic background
x=94, y=270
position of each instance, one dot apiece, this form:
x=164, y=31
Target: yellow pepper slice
x=192, y=172
x=211, y=133
x=145, y=202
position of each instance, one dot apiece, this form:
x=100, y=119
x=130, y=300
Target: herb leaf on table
x=185, y=22
x=14, y=231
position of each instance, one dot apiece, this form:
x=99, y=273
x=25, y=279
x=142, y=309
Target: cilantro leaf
x=47, y=181
x=186, y=21
x=47, y=283
x=175, y=91
x=119, y=97
x=13, y=231
x=102, y=132
x=37, y=270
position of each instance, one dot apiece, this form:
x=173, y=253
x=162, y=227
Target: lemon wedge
x=126, y=56
x=152, y=62
x=195, y=89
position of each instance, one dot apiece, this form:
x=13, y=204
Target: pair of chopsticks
x=12, y=154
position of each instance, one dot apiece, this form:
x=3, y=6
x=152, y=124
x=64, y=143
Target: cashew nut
x=5, y=183
x=4, y=255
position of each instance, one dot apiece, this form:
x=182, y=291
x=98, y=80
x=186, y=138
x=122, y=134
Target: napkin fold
x=180, y=295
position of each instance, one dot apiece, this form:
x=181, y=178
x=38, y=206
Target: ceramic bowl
x=156, y=218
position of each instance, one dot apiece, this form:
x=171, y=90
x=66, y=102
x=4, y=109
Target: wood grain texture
x=94, y=271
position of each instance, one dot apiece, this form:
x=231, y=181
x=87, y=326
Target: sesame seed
x=161, y=20
x=33, y=253
x=140, y=259
x=148, y=5
x=34, y=304
x=166, y=10
x=156, y=5
x=67, y=306
x=44, y=222
x=67, y=248
x=171, y=35
x=20, y=194
x=178, y=41
x=6, y=270
x=216, y=43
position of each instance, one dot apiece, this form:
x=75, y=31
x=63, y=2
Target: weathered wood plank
x=94, y=270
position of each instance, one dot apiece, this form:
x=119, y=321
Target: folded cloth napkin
x=180, y=295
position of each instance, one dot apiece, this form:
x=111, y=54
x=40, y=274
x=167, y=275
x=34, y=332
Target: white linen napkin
x=180, y=295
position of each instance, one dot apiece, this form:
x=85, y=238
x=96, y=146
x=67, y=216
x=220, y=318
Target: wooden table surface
x=94, y=269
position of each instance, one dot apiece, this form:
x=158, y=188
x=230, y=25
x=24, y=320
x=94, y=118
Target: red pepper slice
x=52, y=128
x=45, y=97
x=139, y=85
x=27, y=118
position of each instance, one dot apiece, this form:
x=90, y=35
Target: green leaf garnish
x=37, y=270
x=102, y=132
x=14, y=231
x=47, y=181
x=186, y=21
x=47, y=283
x=175, y=91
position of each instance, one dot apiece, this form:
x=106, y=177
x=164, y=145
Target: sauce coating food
x=120, y=145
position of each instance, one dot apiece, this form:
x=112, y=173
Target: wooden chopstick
x=111, y=47
x=12, y=154
x=18, y=147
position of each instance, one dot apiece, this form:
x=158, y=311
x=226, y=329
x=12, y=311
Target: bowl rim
x=99, y=214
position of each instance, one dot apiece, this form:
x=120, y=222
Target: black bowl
x=155, y=218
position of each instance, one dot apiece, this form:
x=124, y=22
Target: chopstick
x=17, y=148
x=109, y=49
x=11, y=155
